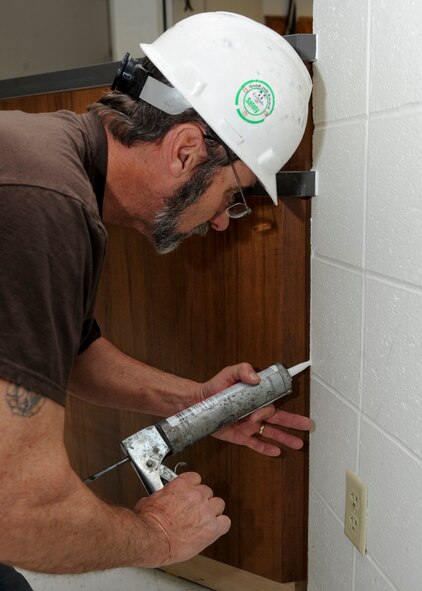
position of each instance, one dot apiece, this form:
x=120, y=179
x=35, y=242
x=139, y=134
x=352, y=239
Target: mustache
x=201, y=230
x=166, y=241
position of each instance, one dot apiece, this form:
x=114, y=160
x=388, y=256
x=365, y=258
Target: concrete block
x=340, y=84
x=335, y=421
x=336, y=327
x=394, y=209
x=330, y=552
x=393, y=361
x=396, y=70
x=394, y=480
x=338, y=210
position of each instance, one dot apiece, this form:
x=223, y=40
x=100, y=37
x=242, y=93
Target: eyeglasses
x=239, y=209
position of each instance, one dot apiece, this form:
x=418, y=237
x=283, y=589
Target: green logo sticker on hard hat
x=255, y=101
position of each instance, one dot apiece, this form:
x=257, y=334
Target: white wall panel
x=393, y=362
x=369, y=77
x=334, y=444
x=339, y=156
x=340, y=73
x=394, y=480
x=336, y=327
x=396, y=70
x=394, y=228
x=330, y=556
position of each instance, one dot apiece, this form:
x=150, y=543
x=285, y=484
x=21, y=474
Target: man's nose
x=220, y=222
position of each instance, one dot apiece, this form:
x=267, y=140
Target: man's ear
x=186, y=148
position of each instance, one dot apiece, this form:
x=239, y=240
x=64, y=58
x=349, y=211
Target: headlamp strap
x=134, y=80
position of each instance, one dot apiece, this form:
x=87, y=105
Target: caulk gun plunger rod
x=105, y=471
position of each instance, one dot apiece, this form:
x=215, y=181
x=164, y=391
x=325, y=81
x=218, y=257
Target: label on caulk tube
x=212, y=401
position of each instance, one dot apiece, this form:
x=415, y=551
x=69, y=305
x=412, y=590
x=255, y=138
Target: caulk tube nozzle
x=293, y=371
x=226, y=407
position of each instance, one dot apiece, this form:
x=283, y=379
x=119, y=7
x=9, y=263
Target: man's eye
x=232, y=199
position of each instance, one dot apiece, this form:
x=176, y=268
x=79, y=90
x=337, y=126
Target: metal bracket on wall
x=305, y=45
x=292, y=184
x=297, y=183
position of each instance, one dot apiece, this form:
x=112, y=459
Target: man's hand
x=51, y=522
x=263, y=423
x=185, y=516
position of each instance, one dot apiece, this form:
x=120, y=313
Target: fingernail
x=254, y=375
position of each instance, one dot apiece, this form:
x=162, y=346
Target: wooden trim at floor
x=222, y=577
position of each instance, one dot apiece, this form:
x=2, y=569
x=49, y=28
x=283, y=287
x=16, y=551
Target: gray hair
x=131, y=121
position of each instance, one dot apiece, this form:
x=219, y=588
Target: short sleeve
x=51, y=256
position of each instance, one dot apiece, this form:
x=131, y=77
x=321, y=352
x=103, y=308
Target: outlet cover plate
x=355, y=519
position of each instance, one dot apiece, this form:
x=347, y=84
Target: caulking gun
x=147, y=448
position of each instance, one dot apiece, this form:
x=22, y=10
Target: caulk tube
x=228, y=406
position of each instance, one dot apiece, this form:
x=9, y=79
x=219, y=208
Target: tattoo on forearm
x=22, y=402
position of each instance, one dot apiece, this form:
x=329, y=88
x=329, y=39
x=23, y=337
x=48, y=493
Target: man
x=168, y=160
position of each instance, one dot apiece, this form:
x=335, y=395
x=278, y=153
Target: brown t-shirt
x=52, y=244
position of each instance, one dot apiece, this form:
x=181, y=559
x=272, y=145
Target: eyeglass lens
x=239, y=209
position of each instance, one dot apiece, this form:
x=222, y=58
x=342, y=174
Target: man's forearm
x=105, y=376
x=77, y=532
x=51, y=522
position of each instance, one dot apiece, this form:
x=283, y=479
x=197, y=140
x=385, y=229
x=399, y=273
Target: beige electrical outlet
x=355, y=519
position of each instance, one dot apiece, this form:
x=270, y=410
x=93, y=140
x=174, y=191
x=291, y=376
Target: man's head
x=228, y=115
x=135, y=122
x=244, y=80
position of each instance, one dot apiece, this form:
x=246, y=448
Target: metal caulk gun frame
x=148, y=448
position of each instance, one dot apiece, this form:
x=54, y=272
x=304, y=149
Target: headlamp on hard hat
x=137, y=82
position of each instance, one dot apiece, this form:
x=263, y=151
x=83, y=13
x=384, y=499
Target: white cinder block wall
x=367, y=292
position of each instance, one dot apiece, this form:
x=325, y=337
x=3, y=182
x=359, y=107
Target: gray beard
x=165, y=236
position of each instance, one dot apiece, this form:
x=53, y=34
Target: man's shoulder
x=23, y=124
x=45, y=151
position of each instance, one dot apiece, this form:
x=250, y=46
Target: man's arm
x=105, y=376
x=51, y=522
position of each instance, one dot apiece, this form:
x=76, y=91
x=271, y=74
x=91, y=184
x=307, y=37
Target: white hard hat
x=244, y=80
